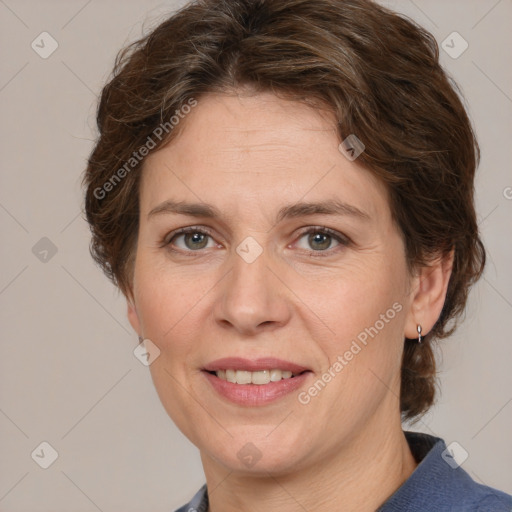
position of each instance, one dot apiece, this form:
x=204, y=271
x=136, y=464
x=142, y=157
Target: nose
x=253, y=299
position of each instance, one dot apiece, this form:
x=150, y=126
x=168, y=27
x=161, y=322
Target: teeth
x=276, y=375
x=260, y=377
x=243, y=377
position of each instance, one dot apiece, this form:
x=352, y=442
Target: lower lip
x=256, y=394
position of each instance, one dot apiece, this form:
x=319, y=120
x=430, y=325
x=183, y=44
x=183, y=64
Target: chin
x=258, y=450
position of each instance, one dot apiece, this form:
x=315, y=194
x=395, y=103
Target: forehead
x=254, y=151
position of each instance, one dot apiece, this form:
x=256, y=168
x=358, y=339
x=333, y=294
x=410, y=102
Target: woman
x=279, y=192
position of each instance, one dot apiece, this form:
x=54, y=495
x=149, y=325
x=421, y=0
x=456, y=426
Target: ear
x=428, y=295
x=133, y=316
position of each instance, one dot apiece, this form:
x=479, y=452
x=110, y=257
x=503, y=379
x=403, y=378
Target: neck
x=359, y=477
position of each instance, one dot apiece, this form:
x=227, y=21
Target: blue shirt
x=438, y=484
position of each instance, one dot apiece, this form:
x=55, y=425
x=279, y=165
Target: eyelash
x=341, y=239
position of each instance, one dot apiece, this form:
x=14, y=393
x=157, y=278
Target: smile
x=254, y=382
x=259, y=378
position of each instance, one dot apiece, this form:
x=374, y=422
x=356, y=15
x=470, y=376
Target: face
x=291, y=262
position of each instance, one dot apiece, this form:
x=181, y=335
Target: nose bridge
x=251, y=295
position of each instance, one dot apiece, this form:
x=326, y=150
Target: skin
x=303, y=300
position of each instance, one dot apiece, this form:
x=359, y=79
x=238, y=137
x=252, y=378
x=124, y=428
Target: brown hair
x=376, y=70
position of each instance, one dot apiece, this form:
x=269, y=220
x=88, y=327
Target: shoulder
x=199, y=503
x=440, y=484
x=496, y=501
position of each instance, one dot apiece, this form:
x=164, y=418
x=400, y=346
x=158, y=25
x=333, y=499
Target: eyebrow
x=301, y=209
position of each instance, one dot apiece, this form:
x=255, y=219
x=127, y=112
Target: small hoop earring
x=420, y=337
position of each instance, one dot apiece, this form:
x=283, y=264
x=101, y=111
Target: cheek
x=168, y=297
x=361, y=360
x=363, y=305
x=168, y=303
x=353, y=297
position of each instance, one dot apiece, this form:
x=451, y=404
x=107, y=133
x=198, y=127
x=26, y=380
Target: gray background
x=68, y=373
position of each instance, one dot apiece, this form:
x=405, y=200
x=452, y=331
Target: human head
x=377, y=72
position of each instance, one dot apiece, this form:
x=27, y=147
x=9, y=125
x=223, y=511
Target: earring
x=140, y=339
x=419, y=333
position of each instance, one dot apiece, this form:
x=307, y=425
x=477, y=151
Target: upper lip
x=263, y=363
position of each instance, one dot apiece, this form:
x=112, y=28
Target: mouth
x=254, y=382
x=259, y=378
